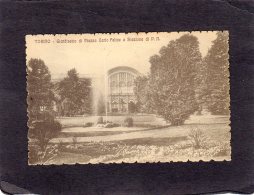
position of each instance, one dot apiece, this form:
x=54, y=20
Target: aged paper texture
x=128, y=97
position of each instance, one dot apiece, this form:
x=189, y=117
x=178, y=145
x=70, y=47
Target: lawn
x=165, y=144
x=138, y=119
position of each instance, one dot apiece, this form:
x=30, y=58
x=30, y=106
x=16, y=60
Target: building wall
x=121, y=89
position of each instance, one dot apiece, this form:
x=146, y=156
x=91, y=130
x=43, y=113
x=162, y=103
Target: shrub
x=131, y=107
x=128, y=122
x=44, y=130
x=38, y=156
x=111, y=125
x=100, y=120
x=88, y=124
x=61, y=146
x=41, y=131
x=197, y=138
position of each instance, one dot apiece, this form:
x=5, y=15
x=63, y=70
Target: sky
x=103, y=51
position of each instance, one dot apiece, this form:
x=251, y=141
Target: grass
x=170, y=143
x=178, y=150
x=88, y=134
x=79, y=121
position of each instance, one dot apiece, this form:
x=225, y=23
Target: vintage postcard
x=128, y=97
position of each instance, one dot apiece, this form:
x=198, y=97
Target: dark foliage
x=128, y=122
x=75, y=94
x=100, y=120
x=111, y=125
x=218, y=75
x=141, y=91
x=40, y=95
x=131, y=107
x=170, y=89
x=89, y=124
x=44, y=130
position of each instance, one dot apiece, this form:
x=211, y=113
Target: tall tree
x=141, y=91
x=75, y=92
x=201, y=89
x=40, y=96
x=172, y=82
x=42, y=125
x=218, y=75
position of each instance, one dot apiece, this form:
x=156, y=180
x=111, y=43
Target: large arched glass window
x=112, y=84
x=130, y=83
x=122, y=84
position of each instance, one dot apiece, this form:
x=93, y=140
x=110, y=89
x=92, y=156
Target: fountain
x=99, y=98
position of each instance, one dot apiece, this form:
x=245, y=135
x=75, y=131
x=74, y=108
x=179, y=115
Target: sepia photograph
x=128, y=97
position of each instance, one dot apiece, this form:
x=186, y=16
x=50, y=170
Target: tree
x=75, y=93
x=218, y=75
x=131, y=107
x=141, y=93
x=44, y=130
x=201, y=86
x=171, y=88
x=40, y=96
x=41, y=132
x=42, y=126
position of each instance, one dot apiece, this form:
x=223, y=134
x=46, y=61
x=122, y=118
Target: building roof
x=123, y=68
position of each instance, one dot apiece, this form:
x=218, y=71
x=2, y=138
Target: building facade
x=120, y=97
